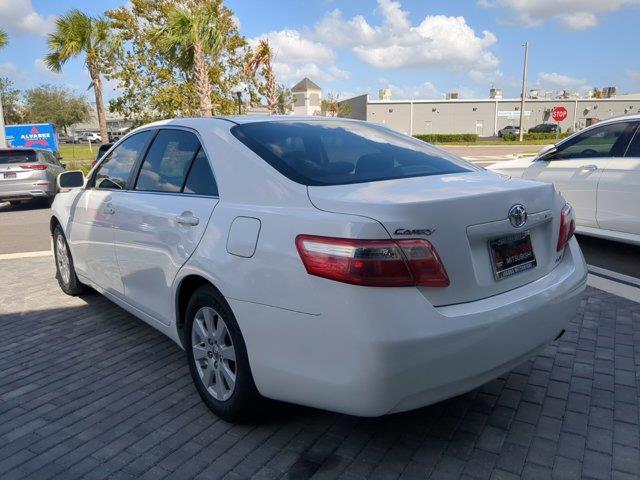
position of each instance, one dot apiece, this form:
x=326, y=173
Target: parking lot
x=88, y=391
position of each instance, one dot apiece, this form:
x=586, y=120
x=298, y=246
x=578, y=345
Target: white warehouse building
x=485, y=117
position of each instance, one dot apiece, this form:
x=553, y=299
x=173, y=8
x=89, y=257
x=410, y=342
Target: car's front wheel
x=65, y=271
x=218, y=358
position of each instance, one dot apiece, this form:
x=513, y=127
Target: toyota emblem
x=517, y=215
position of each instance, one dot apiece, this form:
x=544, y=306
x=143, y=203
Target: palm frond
x=4, y=39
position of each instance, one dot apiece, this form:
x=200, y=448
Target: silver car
x=27, y=174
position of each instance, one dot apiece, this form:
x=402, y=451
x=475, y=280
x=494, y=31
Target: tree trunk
x=94, y=73
x=203, y=87
x=271, y=89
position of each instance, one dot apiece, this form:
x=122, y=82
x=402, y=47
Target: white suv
x=326, y=262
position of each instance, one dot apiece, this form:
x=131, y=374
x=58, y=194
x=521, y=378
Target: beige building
x=485, y=116
x=307, y=96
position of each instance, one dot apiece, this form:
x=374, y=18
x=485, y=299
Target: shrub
x=510, y=137
x=448, y=137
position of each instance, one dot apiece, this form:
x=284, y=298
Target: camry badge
x=517, y=215
x=419, y=231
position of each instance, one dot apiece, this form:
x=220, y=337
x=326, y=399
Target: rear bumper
x=27, y=190
x=367, y=355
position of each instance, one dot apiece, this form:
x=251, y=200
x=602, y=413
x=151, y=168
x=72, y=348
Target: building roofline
x=494, y=100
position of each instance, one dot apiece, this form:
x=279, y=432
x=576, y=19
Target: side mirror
x=546, y=151
x=72, y=179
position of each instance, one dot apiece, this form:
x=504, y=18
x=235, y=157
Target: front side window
x=321, y=152
x=167, y=162
x=115, y=170
x=600, y=142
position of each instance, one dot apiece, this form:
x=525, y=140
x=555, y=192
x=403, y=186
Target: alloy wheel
x=62, y=259
x=214, y=353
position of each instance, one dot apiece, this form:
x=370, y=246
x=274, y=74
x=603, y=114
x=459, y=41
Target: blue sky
x=419, y=49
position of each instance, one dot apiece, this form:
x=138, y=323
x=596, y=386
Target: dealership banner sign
x=39, y=135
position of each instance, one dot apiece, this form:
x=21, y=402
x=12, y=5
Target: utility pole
x=524, y=89
x=3, y=138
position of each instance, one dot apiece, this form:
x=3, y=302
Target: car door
x=619, y=190
x=160, y=221
x=91, y=233
x=576, y=166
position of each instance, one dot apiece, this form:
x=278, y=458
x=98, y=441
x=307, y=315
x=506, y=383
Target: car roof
x=201, y=122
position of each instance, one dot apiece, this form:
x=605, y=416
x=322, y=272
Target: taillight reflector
x=567, y=226
x=374, y=263
x=35, y=166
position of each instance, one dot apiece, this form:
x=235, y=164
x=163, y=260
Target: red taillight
x=35, y=166
x=374, y=263
x=567, y=226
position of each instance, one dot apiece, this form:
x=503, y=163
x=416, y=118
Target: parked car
x=28, y=174
x=508, y=130
x=64, y=138
x=92, y=137
x=546, y=128
x=598, y=172
x=326, y=262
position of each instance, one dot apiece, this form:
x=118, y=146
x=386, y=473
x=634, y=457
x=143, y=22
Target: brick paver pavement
x=88, y=391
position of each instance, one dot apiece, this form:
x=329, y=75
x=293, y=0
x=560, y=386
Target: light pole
x=524, y=89
x=3, y=138
x=238, y=89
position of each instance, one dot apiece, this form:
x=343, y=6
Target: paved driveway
x=88, y=391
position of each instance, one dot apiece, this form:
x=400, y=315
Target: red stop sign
x=559, y=114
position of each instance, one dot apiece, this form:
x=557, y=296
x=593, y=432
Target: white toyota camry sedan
x=326, y=262
x=598, y=171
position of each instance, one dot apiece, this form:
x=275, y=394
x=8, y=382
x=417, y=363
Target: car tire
x=218, y=360
x=65, y=271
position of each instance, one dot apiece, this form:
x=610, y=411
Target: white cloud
x=19, y=19
x=437, y=41
x=11, y=71
x=290, y=46
x=42, y=69
x=556, y=80
x=574, y=14
x=633, y=75
x=424, y=90
x=296, y=56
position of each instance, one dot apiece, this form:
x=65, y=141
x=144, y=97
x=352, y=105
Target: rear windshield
x=17, y=156
x=322, y=152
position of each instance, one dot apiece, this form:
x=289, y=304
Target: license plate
x=9, y=174
x=512, y=254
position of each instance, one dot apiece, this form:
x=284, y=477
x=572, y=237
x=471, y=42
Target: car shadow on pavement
x=26, y=205
x=93, y=390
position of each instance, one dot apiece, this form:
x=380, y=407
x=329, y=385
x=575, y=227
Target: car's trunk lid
x=459, y=214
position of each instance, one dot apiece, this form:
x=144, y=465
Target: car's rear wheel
x=218, y=358
x=65, y=271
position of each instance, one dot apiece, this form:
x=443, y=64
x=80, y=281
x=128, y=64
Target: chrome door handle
x=187, y=219
x=588, y=168
x=108, y=210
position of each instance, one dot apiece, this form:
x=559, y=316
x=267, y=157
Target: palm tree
x=261, y=57
x=78, y=33
x=3, y=38
x=192, y=36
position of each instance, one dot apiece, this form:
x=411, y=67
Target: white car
x=325, y=262
x=598, y=171
x=89, y=137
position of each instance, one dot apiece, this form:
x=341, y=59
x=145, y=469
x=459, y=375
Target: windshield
x=321, y=152
x=17, y=156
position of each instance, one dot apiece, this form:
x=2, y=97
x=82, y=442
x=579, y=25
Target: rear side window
x=115, y=170
x=200, y=180
x=634, y=146
x=17, y=156
x=606, y=141
x=167, y=162
x=339, y=152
